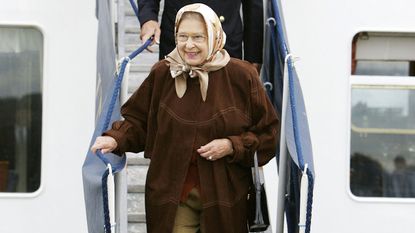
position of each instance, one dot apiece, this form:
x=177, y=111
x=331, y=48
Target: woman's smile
x=192, y=55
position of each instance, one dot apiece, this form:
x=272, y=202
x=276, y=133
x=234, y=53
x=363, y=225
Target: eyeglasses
x=197, y=38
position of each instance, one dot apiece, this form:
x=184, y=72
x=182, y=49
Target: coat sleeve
x=148, y=10
x=253, y=14
x=263, y=135
x=130, y=133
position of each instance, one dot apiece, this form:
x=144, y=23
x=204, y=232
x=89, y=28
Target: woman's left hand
x=216, y=149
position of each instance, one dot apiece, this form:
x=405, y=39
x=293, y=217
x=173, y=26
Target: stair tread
x=137, y=218
x=134, y=227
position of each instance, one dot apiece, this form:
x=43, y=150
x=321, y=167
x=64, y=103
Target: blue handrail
x=115, y=94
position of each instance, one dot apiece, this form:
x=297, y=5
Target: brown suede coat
x=170, y=130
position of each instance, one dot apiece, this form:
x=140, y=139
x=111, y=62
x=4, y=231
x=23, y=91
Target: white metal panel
x=320, y=32
x=70, y=32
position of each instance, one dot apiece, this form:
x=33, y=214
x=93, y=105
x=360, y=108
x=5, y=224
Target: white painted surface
x=69, y=71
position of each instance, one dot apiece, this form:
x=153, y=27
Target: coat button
x=221, y=18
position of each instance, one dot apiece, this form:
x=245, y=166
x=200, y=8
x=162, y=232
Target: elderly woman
x=199, y=116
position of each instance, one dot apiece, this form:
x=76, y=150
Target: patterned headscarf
x=217, y=56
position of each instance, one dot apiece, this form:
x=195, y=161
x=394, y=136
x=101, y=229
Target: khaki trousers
x=188, y=214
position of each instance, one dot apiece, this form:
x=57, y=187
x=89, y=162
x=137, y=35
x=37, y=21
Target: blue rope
x=309, y=201
x=139, y=50
x=104, y=186
x=119, y=166
x=279, y=28
x=293, y=101
x=115, y=94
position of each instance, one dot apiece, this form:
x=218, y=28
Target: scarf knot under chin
x=180, y=71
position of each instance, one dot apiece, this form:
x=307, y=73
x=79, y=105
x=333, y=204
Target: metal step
x=136, y=174
x=137, y=159
x=137, y=228
x=137, y=167
x=136, y=207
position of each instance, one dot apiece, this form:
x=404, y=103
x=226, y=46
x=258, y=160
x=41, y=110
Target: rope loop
x=127, y=58
x=271, y=19
x=291, y=58
x=268, y=86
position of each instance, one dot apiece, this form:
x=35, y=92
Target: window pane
x=383, y=53
x=383, y=142
x=389, y=68
x=21, y=61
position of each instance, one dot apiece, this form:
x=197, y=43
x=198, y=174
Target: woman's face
x=192, y=41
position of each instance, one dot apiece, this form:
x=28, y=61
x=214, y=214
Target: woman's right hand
x=104, y=143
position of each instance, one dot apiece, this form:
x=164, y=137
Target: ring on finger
x=210, y=157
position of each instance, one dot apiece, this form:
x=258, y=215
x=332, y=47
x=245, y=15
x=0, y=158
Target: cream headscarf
x=217, y=56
